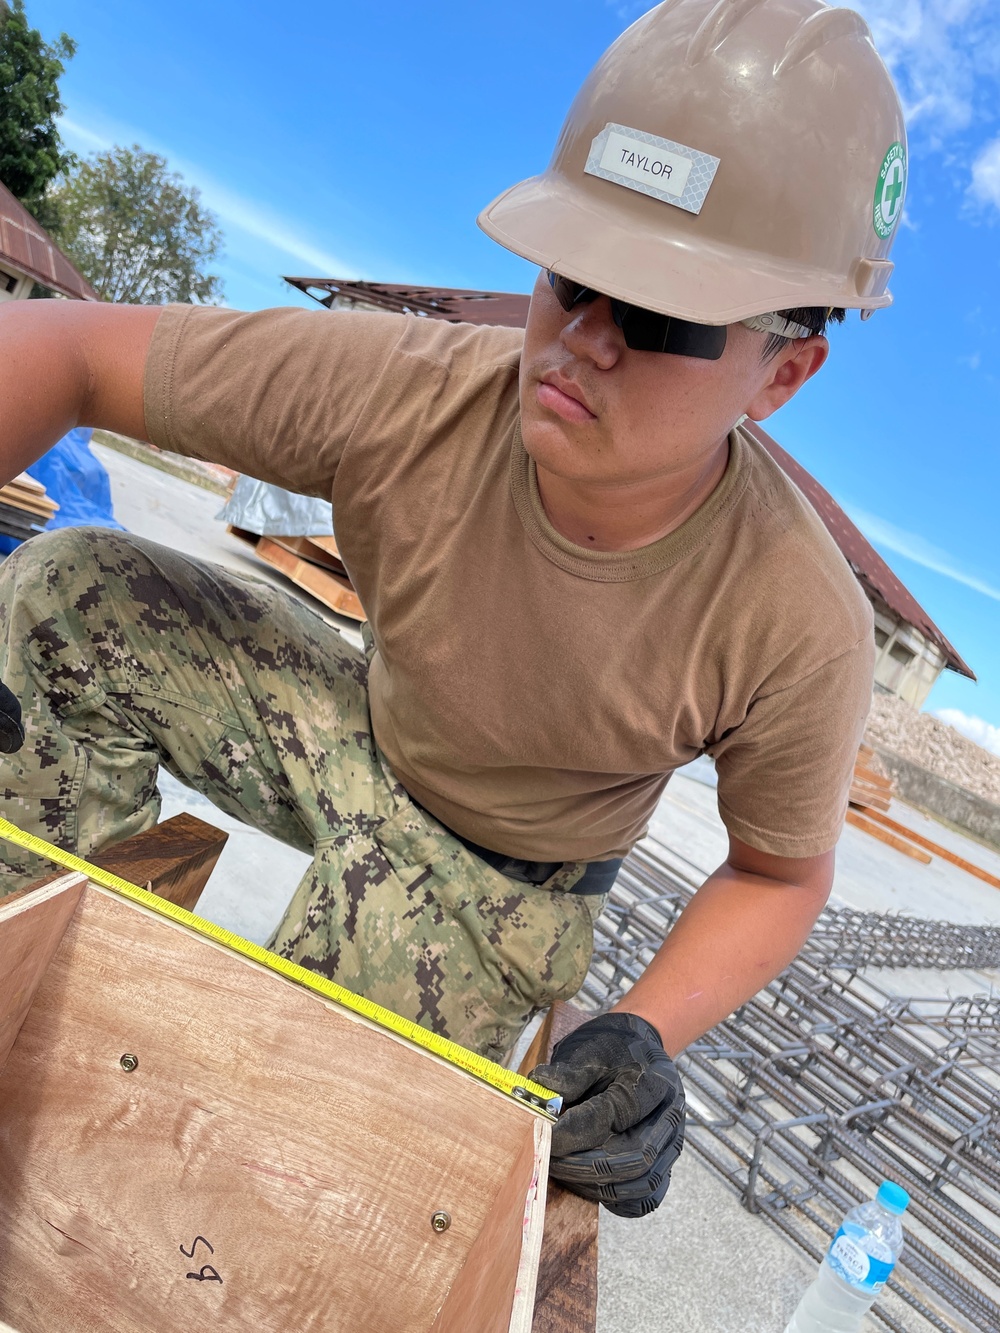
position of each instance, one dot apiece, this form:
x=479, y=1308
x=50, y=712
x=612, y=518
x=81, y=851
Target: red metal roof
x=870, y=569
x=27, y=246
x=510, y=309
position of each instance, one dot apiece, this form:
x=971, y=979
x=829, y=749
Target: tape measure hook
x=550, y=1105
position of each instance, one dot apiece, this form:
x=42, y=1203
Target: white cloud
x=937, y=50
x=918, y=549
x=985, y=185
x=975, y=728
x=234, y=209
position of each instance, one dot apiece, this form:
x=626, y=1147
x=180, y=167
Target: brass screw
x=441, y=1221
x=129, y=1063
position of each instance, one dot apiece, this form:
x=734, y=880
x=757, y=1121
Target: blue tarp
x=77, y=482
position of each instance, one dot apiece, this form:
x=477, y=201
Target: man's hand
x=11, y=731
x=623, y=1128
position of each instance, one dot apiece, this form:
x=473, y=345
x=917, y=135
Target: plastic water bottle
x=857, y=1265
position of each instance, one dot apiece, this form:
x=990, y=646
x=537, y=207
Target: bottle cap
x=892, y=1197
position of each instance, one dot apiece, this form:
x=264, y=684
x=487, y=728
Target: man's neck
x=626, y=516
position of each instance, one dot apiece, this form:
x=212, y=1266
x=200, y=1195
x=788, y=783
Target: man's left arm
x=743, y=926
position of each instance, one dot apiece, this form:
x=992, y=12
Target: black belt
x=598, y=876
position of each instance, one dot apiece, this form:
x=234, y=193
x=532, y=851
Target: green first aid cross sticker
x=889, y=190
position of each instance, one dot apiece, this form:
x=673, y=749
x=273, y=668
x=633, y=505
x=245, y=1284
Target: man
x=580, y=572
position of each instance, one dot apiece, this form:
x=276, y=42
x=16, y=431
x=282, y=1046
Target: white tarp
x=270, y=511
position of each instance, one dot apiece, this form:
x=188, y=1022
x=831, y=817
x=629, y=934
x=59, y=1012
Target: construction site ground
x=701, y=1263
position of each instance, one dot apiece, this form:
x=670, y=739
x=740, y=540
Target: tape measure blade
x=524, y=1090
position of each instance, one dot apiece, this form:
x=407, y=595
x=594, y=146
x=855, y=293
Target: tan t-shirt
x=533, y=695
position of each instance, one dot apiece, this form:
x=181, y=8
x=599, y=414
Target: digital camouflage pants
x=127, y=655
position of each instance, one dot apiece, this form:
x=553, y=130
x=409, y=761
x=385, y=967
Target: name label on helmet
x=661, y=168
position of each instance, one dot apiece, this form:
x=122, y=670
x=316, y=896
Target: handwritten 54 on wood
x=207, y=1273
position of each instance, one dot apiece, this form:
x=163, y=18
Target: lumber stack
x=311, y=563
x=869, y=798
x=870, y=790
x=24, y=507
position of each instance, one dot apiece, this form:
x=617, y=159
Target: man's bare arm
x=66, y=364
x=746, y=922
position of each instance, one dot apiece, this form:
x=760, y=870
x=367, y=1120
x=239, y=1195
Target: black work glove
x=623, y=1126
x=11, y=731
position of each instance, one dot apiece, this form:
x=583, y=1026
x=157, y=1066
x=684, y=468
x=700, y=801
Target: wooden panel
x=330, y=586
x=308, y=550
x=566, y=1293
x=272, y=1163
x=173, y=859
x=334, y=592
x=320, y=551
x=868, y=788
x=883, y=835
x=327, y=544
x=24, y=493
x=31, y=928
x=488, y=1282
x=936, y=849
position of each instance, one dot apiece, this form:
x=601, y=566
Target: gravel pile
x=927, y=741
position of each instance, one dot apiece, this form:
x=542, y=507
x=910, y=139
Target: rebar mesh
x=824, y=1084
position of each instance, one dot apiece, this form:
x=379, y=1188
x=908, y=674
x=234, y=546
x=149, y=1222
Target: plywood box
x=191, y=1142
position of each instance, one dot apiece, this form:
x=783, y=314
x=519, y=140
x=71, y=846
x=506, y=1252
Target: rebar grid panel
x=875, y=939
x=824, y=1084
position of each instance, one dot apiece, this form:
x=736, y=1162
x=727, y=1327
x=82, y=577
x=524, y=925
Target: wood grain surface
x=566, y=1291
x=272, y=1163
x=487, y=1283
x=173, y=859
x=325, y=586
x=299, y=559
x=935, y=848
x=31, y=928
x=866, y=823
x=313, y=552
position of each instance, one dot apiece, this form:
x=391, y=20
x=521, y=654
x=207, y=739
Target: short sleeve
x=274, y=393
x=785, y=772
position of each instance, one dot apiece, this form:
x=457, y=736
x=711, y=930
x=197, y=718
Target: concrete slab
x=699, y=1263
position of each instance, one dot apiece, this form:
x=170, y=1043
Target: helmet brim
x=548, y=221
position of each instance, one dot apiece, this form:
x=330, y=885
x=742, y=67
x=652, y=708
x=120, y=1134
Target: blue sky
x=346, y=140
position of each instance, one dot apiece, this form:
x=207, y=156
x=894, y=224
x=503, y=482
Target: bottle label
x=849, y=1261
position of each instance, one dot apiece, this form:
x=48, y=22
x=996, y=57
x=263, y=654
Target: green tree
x=31, y=152
x=136, y=231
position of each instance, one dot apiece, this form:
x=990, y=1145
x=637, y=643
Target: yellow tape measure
x=514, y=1085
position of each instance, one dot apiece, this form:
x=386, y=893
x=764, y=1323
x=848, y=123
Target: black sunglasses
x=647, y=330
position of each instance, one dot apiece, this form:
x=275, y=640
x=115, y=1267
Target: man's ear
x=788, y=371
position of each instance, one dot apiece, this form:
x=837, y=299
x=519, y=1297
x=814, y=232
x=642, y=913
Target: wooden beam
x=31, y=929
x=327, y=544
x=867, y=825
x=325, y=586
x=315, y=554
x=270, y=1161
x=173, y=859
x=566, y=1295
x=936, y=849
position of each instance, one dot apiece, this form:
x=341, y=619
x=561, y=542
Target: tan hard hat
x=725, y=158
